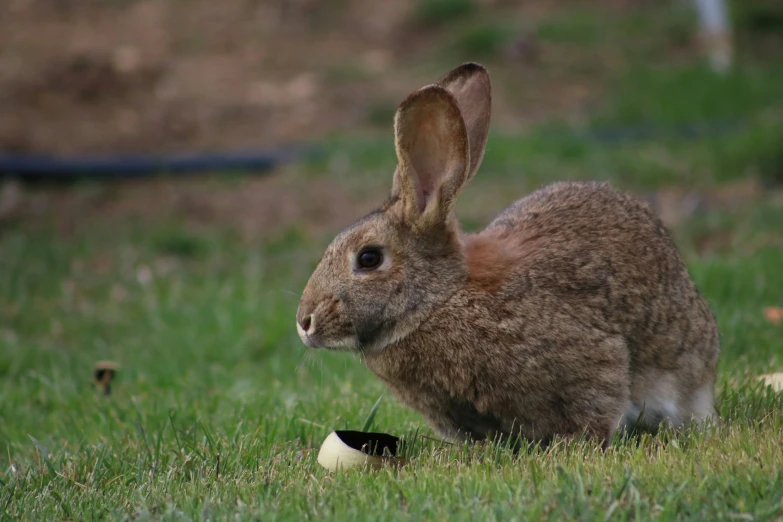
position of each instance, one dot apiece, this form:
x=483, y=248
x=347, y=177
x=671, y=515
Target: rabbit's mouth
x=313, y=341
x=314, y=338
x=331, y=324
x=363, y=339
x=322, y=325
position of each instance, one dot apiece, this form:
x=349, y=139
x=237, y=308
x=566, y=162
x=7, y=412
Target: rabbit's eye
x=369, y=258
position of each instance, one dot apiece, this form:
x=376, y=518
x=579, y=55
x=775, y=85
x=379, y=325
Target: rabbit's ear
x=432, y=154
x=470, y=85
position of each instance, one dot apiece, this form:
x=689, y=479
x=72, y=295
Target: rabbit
x=570, y=315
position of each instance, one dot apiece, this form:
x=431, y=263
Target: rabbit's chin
x=366, y=340
x=346, y=344
x=349, y=344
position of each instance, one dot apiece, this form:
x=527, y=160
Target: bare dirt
x=122, y=76
x=81, y=76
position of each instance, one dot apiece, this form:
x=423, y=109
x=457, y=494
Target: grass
x=432, y=13
x=218, y=411
x=482, y=41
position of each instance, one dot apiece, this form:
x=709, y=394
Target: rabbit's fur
x=571, y=313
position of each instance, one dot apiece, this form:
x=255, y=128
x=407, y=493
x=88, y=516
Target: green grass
x=432, y=13
x=216, y=401
x=218, y=411
x=482, y=41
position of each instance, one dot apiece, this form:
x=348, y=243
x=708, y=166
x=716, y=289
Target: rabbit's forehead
x=374, y=230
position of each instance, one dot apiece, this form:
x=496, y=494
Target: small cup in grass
x=345, y=449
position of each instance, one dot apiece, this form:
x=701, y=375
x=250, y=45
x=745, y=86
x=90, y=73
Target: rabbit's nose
x=305, y=323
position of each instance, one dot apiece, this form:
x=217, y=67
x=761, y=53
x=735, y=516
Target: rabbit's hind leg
x=654, y=400
x=699, y=406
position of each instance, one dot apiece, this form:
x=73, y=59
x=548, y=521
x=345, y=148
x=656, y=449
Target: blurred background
x=150, y=77
x=190, y=282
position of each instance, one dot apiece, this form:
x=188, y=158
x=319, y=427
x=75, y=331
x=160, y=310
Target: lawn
x=218, y=410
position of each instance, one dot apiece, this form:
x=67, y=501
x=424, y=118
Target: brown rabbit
x=571, y=313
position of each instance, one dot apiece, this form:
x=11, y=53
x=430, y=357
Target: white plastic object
x=356, y=449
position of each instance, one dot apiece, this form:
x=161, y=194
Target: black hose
x=48, y=168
